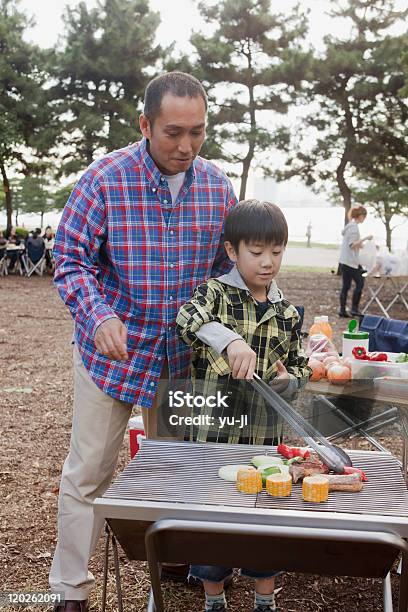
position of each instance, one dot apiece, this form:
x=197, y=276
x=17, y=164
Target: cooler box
x=136, y=434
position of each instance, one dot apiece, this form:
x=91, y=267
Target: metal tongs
x=334, y=457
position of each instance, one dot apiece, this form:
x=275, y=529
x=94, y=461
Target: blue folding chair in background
x=34, y=261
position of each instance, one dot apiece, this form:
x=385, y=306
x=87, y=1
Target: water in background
x=327, y=223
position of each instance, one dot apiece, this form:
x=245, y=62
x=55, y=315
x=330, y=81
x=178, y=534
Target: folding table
x=375, y=286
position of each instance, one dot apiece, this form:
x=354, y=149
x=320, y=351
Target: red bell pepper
x=359, y=352
x=290, y=451
x=354, y=470
x=378, y=356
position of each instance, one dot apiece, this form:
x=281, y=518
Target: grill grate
x=184, y=472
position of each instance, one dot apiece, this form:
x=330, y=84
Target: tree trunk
x=7, y=192
x=244, y=176
x=89, y=148
x=16, y=218
x=387, y=222
x=342, y=185
x=344, y=190
x=246, y=164
x=42, y=219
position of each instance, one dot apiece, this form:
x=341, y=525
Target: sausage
x=347, y=482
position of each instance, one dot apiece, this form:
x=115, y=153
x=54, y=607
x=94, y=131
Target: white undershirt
x=175, y=182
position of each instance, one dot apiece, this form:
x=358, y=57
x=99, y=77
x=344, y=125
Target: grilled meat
x=311, y=466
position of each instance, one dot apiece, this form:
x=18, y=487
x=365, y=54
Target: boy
x=243, y=316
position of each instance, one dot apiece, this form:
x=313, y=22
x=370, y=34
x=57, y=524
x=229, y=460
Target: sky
x=49, y=25
x=47, y=14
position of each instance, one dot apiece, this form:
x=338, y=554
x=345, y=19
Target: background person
x=141, y=229
x=13, y=239
x=349, y=259
x=48, y=238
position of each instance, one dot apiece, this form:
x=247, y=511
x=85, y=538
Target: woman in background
x=349, y=260
x=49, y=244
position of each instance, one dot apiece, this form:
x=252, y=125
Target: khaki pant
x=98, y=426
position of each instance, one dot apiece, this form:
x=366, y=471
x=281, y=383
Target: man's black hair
x=176, y=83
x=255, y=221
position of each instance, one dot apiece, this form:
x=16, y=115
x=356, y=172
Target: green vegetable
x=267, y=471
x=402, y=358
x=294, y=460
x=260, y=460
x=230, y=472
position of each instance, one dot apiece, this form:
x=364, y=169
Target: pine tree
x=25, y=127
x=253, y=63
x=360, y=115
x=102, y=72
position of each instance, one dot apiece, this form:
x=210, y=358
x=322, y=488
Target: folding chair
x=34, y=261
x=3, y=261
x=333, y=552
x=16, y=254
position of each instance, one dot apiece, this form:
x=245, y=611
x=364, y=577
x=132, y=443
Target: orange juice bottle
x=321, y=325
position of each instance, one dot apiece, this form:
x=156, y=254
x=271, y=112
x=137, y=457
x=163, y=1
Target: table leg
x=117, y=573
x=403, y=593
x=150, y=605
x=105, y=566
x=352, y=423
x=387, y=594
x=398, y=296
x=404, y=444
x=374, y=298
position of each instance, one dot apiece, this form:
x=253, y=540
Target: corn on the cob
x=279, y=485
x=249, y=480
x=315, y=488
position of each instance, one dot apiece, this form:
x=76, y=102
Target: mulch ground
x=36, y=398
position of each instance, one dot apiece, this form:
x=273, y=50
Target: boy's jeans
x=218, y=573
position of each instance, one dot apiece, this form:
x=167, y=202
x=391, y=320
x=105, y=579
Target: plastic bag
x=367, y=255
x=319, y=347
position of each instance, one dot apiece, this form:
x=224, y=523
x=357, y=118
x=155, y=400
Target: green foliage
x=27, y=133
x=30, y=195
x=387, y=196
x=252, y=63
x=60, y=196
x=21, y=233
x=101, y=75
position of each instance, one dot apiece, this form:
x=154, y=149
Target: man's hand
x=281, y=380
x=242, y=359
x=111, y=339
x=370, y=237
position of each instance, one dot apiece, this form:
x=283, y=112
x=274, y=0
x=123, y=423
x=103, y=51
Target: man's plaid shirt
x=276, y=336
x=116, y=256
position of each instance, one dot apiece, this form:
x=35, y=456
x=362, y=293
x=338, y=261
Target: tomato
x=338, y=374
x=318, y=369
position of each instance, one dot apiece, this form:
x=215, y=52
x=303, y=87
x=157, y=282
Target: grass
x=307, y=269
x=313, y=245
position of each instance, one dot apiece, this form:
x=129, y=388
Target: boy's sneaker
x=265, y=609
x=216, y=608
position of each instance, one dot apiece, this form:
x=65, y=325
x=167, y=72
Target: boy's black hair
x=255, y=221
x=177, y=83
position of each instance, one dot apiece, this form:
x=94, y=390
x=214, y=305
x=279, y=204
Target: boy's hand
x=242, y=359
x=281, y=380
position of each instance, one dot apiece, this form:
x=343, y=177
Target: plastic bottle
x=321, y=325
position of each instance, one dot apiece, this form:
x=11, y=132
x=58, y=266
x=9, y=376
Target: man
x=142, y=228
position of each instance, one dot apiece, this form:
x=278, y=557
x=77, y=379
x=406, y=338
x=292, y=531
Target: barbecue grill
x=179, y=480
